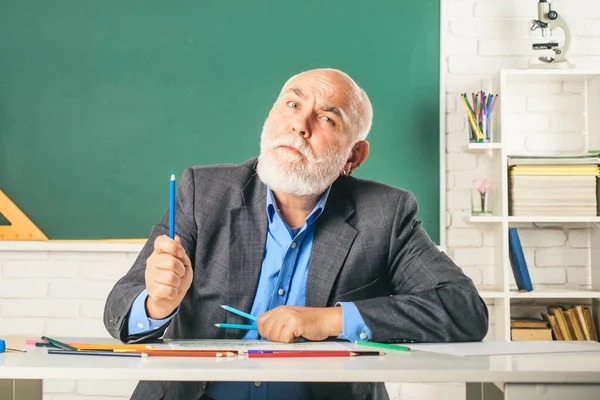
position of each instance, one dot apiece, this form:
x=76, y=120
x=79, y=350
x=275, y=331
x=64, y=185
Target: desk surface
x=414, y=366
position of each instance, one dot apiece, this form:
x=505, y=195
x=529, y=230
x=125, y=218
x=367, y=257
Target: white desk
x=539, y=376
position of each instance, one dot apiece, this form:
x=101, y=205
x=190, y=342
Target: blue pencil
x=237, y=326
x=240, y=313
x=172, y=207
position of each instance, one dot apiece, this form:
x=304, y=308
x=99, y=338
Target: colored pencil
x=172, y=207
x=93, y=353
x=90, y=346
x=182, y=353
x=98, y=346
x=237, y=326
x=476, y=130
x=239, y=312
x=58, y=344
x=359, y=352
x=383, y=345
x=290, y=354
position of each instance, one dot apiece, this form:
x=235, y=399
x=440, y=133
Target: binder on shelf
x=517, y=261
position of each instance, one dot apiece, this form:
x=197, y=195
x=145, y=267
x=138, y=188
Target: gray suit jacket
x=368, y=248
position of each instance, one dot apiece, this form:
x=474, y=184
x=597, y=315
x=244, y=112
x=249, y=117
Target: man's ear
x=358, y=155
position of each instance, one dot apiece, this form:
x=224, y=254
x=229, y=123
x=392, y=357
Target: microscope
x=548, y=20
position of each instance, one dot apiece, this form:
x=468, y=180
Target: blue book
x=517, y=260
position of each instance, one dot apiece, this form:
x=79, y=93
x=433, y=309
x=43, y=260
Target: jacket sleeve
x=431, y=299
x=120, y=299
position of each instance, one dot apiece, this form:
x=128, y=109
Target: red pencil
x=333, y=353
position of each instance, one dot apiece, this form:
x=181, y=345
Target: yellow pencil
x=478, y=132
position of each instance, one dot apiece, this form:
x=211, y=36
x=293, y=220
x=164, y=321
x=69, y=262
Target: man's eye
x=328, y=120
x=292, y=104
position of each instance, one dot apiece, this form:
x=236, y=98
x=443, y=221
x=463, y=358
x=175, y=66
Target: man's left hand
x=290, y=323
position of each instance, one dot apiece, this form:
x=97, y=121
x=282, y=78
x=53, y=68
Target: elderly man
x=292, y=238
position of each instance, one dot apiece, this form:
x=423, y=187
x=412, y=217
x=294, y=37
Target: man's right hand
x=168, y=277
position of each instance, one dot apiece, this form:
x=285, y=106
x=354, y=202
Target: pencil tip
x=223, y=306
x=217, y=325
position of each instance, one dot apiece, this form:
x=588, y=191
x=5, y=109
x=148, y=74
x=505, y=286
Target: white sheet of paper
x=244, y=345
x=505, y=348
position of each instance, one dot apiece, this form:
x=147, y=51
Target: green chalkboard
x=100, y=100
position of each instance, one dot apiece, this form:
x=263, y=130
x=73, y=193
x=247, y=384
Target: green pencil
x=383, y=345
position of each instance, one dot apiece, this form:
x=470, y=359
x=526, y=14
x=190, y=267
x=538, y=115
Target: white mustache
x=297, y=143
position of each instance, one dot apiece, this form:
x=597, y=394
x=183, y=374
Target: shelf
x=557, y=219
x=542, y=74
x=484, y=146
x=491, y=294
x=116, y=246
x=485, y=218
x=556, y=293
x=533, y=219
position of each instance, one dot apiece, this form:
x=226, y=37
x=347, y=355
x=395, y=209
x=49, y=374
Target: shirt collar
x=312, y=217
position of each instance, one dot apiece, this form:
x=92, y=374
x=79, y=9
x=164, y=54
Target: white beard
x=298, y=174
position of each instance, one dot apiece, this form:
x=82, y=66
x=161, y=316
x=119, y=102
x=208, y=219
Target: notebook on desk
x=506, y=348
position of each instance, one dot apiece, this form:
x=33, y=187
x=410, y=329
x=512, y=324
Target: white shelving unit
x=515, y=133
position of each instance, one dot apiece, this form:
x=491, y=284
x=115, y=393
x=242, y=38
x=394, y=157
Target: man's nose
x=301, y=127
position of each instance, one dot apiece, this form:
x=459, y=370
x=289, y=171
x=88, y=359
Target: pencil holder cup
x=481, y=201
x=474, y=139
x=485, y=131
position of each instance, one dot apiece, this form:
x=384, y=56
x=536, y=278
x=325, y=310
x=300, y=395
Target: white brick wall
x=62, y=294
x=557, y=255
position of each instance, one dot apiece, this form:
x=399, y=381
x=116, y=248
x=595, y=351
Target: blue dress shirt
x=282, y=281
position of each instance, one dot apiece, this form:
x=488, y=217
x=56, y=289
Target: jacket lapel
x=332, y=242
x=248, y=236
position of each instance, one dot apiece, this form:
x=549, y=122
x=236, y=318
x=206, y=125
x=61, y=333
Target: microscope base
x=554, y=65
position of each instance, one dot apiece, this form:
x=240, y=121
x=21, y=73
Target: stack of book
x=573, y=322
x=553, y=186
x=529, y=329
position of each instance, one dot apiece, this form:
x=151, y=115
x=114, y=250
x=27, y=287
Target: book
x=531, y=334
x=517, y=261
x=562, y=322
x=554, y=325
x=530, y=323
x=573, y=322
x=581, y=318
x=590, y=324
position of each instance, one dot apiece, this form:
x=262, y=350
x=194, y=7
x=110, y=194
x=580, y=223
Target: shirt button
x=363, y=335
x=140, y=325
x=280, y=292
x=293, y=245
x=257, y=384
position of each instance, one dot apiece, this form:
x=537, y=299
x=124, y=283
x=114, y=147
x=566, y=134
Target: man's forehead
x=325, y=90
